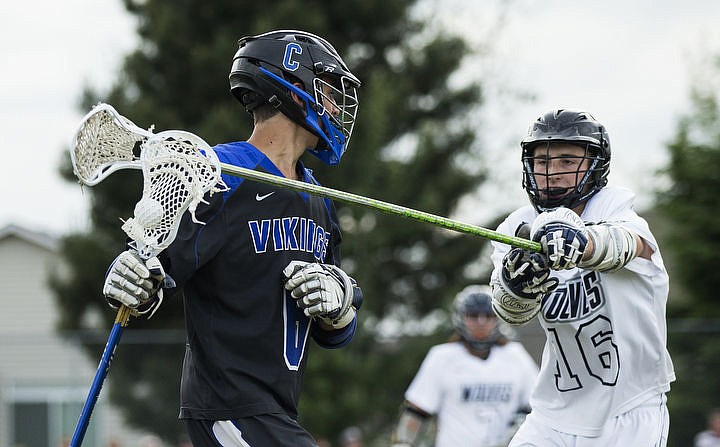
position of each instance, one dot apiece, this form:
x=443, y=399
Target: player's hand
x=520, y=285
x=561, y=233
x=135, y=283
x=527, y=275
x=323, y=291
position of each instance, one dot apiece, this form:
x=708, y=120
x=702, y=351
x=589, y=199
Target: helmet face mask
x=338, y=106
x=589, y=163
x=549, y=162
x=280, y=67
x=475, y=301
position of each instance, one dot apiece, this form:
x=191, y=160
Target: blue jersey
x=246, y=338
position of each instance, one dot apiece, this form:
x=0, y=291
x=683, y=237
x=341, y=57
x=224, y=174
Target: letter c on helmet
x=288, y=62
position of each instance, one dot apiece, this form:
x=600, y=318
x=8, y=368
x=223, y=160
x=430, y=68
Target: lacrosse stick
x=178, y=169
x=107, y=127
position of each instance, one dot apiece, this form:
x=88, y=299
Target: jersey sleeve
x=334, y=339
x=425, y=390
x=636, y=224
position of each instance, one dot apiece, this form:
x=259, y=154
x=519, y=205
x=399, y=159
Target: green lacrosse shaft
x=385, y=207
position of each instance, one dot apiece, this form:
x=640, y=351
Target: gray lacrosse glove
x=323, y=291
x=135, y=283
x=521, y=284
x=563, y=237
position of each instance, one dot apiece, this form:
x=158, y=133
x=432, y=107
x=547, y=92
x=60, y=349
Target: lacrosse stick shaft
x=121, y=320
x=106, y=141
x=385, y=207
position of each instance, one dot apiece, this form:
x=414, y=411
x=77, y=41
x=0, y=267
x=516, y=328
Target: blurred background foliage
x=688, y=224
x=416, y=143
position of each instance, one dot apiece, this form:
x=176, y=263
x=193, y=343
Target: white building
x=44, y=378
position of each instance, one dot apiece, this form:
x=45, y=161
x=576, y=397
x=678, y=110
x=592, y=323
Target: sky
x=630, y=63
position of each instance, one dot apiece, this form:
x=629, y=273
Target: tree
x=414, y=144
x=689, y=205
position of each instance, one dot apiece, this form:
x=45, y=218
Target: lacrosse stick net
x=178, y=169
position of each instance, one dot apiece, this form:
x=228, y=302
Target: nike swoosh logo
x=258, y=197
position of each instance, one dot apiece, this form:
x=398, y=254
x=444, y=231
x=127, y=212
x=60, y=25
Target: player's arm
x=410, y=425
x=569, y=243
x=598, y=239
x=645, y=250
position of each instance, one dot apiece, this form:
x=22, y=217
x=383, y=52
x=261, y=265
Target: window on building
x=46, y=416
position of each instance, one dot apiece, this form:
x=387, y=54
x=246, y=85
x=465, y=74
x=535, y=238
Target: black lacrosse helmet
x=474, y=300
x=265, y=69
x=575, y=127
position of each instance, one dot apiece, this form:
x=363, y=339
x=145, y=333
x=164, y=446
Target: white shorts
x=643, y=426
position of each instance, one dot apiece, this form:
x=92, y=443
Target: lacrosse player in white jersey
x=477, y=384
x=710, y=437
x=599, y=289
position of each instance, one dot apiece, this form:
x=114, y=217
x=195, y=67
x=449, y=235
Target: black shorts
x=264, y=430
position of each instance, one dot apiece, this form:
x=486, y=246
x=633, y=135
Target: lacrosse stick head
x=105, y=142
x=179, y=168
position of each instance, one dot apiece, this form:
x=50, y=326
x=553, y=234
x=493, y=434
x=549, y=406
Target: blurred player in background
x=599, y=287
x=263, y=275
x=710, y=437
x=477, y=384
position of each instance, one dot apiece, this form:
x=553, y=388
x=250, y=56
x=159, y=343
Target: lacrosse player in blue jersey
x=599, y=289
x=262, y=276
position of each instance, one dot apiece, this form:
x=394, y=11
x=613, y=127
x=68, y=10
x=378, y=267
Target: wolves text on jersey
x=289, y=233
x=574, y=300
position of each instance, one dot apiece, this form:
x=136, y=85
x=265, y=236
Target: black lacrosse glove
x=527, y=275
x=561, y=233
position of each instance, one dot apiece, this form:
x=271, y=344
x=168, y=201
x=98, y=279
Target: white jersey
x=706, y=438
x=475, y=400
x=605, y=351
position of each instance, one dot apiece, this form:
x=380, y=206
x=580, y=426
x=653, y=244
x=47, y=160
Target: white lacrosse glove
x=562, y=235
x=521, y=284
x=135, y=283
x=323, y=291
